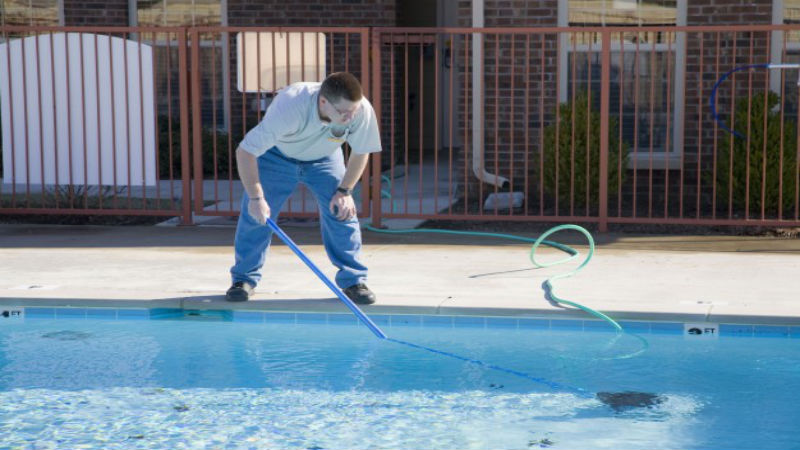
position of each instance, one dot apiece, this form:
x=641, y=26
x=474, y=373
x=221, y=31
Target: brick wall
x=339, y=13
x=722, y=12
x=512, y=13
x=96, y=13
x=709, y=55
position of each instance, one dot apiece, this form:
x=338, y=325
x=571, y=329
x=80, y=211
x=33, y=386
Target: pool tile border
x=400, y=320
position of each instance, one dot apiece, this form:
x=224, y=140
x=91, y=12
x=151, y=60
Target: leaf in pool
x=67, y=335
x=623, y=401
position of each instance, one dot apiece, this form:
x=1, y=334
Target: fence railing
x=652, y=125
x=87, y=121
x=681, y=125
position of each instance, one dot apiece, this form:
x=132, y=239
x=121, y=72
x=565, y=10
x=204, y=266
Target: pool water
x=196, y=384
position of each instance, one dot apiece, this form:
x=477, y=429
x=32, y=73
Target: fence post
x=183, y=90
x=605, y=85
x=375, y=190
x=197, y=126
x=364, y=34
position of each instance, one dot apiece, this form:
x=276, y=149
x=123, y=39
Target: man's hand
x=247, y=165
x=342, y=206
x=258, y=209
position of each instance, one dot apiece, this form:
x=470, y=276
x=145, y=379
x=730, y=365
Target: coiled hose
x=548, y=284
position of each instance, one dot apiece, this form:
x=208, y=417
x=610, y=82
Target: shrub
x=167, y=131
x=585, y=140
x=748, y=152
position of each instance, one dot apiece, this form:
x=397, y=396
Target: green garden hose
x=536, y=243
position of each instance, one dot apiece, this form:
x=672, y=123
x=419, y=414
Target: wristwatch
x=345, y=191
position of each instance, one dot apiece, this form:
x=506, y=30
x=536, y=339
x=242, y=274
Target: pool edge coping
x=334, y=307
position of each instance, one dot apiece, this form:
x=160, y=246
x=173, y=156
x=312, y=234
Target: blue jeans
x=279, y=176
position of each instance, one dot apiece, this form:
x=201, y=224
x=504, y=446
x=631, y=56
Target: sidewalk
x=683, y=278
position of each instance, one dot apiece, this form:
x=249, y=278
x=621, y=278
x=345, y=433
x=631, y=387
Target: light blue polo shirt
x=292, y=124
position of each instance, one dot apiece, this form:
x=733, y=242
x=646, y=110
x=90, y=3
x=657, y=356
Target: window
x=622, y=12
x=178, y=13
x=790, y=10
x=646, y=68
x=31, y=12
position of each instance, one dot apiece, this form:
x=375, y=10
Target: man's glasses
x=341, y=112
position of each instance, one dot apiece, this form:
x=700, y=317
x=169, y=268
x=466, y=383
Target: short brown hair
x=340, y=85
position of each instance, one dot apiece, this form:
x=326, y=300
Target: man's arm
x=343, y=205
x=247, y=165
x=355, y=168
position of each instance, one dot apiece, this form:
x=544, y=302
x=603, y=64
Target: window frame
x=133, y=12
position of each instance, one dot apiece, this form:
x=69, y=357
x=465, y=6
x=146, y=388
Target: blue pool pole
x=617, y=397
x=349, y=303
x=374, y=328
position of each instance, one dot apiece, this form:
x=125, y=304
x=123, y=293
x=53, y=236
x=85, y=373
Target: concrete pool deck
x=723, y=279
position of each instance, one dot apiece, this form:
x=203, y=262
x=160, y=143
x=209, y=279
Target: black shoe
x=239, y=292
x=360, y=293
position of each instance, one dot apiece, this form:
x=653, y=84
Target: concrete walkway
x=683, y=278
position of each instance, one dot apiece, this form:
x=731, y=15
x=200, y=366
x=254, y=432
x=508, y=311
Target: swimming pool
x=107, y=378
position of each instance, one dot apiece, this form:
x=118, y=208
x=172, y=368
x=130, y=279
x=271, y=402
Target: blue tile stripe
x=666, y=328
x=402, y=320
x=40, y=313
x=248, y=316
x=759, y=330
x=540, y=324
